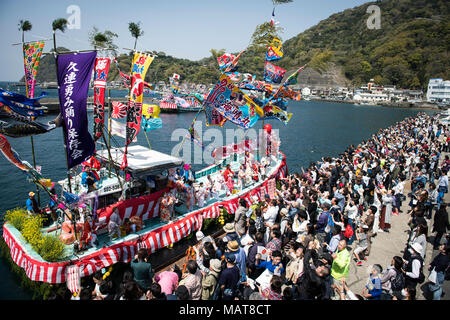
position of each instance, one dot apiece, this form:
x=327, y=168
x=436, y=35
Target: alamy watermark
x=201, y=151
x=374, y=20
x=74, y=19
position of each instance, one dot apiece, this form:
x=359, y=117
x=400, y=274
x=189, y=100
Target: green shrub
x=51, y=248
x=16, y=217
x=31, y=231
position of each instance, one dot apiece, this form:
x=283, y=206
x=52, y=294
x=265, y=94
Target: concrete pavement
x=386, y=245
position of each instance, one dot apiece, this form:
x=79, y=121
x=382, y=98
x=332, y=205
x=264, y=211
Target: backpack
x=215, y=295
x=398, y=283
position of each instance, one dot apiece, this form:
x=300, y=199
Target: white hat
x=216, y=265
x=416, y=247
x=199, y=235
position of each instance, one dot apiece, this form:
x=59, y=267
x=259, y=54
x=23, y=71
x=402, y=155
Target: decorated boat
x=135, y=183
x=176, y=104
x=155, y=233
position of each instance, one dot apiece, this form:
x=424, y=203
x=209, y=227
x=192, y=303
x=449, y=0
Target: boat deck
x=180, y=211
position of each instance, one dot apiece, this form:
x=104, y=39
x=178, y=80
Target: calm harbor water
x=317, y=129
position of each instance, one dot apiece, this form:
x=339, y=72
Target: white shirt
x=443, y=181
x=271, y=215
x=352, y=211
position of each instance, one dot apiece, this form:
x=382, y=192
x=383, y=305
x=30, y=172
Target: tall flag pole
x=139, y=67
x=32, y=52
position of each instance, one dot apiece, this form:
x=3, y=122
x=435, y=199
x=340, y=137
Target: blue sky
x=184, y=29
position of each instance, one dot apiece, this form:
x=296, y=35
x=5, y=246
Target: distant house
x=306, y=91
x=438, y=90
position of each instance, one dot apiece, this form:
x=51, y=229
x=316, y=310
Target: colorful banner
x=275, y=50
x=139, y=67
x=272, y=73
x=126, y=78
x=74, y=73
x=292, y=79
x=271, y=111
x=225, y=61
x=11, y=155
x=151, y=119
x=119, y=110
x=231, y=103
x=31, y=55
x=228, y=62
x=100, y=75
x=285, y=92
x=233, y=65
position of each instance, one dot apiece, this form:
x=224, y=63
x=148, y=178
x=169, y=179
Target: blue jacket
x=322, y=222
x=269, y=266
x=29, y=205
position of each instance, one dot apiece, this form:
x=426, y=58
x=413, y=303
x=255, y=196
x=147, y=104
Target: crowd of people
x=299, y=244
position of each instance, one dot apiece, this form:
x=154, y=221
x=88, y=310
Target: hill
x=411, y=46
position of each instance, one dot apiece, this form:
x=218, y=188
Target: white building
x=438, y=90
x=370, y=97
x=306, y=91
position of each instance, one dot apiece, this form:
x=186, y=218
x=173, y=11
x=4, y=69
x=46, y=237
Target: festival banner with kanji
x=74, y=73
x=31, y=56
x=231, y=103
x=139, y=68
x=272, y=73
x=100, y=75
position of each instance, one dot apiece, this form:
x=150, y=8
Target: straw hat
x=233, y=245
x=31, y=194
x=215, y=265
x=229, y=228
x=284, y=212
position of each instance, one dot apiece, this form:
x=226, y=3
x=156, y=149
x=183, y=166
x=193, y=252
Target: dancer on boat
x=241, y=177
x=201, y=195
x=166, y=207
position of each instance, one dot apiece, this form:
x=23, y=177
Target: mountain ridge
x=411, y=46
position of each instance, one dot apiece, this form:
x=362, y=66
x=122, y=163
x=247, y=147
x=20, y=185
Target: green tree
x=136, y=31
x=103, y=39
x=321, y=60
x=24, y=25
x=264, y=34
x=58, y=24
